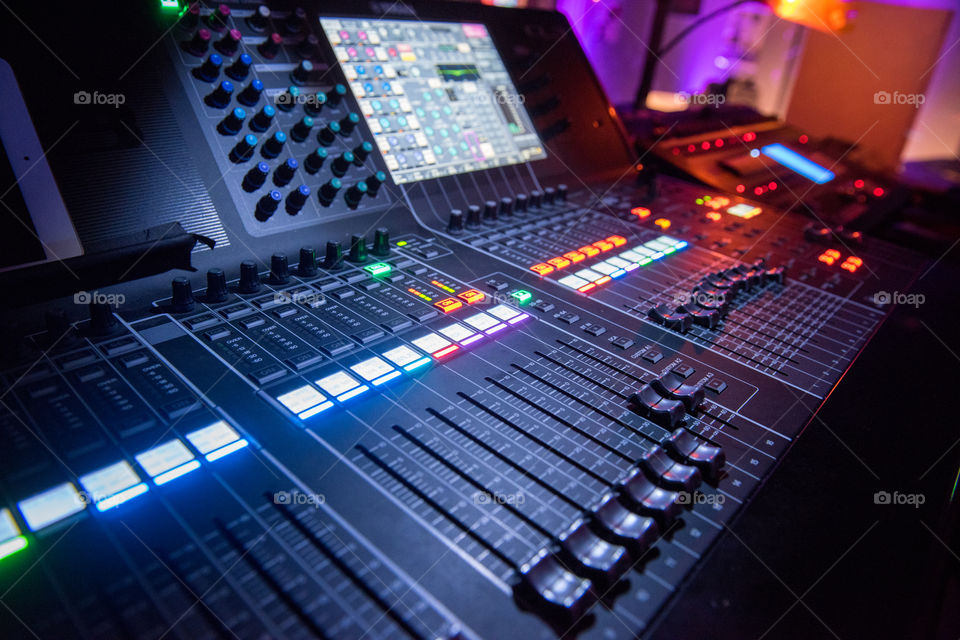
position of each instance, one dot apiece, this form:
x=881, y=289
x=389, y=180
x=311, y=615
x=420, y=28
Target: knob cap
x=259, y=20
x=216, y=286
x=229, y=43
x=249, y=277
x=301, y=130
x=334, y=256
x=314, y=103
x=520, y=203
x=287, y=100
x=271, y=46
x=341, y=163
x=301, y=74
x=251, y=93
x=381, y=242
x=267, y=205
x=374, y=180
x=506, y=207
x=210, y=69
x=473, y=216
x=261, y=121
x=244, y=149
x=309, y=47
x=361, y=152
x=315, y=160
x=220, y=97
x=349, y=122
x=307, y=267
x=296, y=21
x=490, y=212
x=297, y=198
x=199, y=43
x=191, y=18
x=256, y=177
x=232, y=124
x=328, y=135
x=279, y=269
x=562, y=192
x=274, y=145
x=455, y=225
x=355, y=194
x=284, y=173
x=102, y=320
x=181, y=295
x=328, y=191
x=358, y=248
x=535, y=200
x=218, y=19
x=336, y=94
x=548, y=195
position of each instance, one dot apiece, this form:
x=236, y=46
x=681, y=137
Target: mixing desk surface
x=451, y=353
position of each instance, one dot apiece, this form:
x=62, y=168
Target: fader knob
x=307, y=267
x=240, y=69
x=249, y=277
x=279, y=269
x=229, y=43
x=333, y=259
x=271, y=46
x=181, y=295
x=381, y=242
x=102, y=320
x=256, y=177
x=455, y=225
x=297, y=198
x=216, y=286
x=251, y=93
x=355, y=194
x=473, y=216
x=259, y=20
x=210, y=68
x=358, y=248
x=285, y=172
x=267, y=205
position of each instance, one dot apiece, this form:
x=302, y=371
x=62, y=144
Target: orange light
x=586, y=287
x=849, y=267
x=574, y=256
x=559, y=263
x=854, y=260
x=541, y=269
x=589, y=251
x=663, y=223
x=833, y=253
x=828, y=16
x=603, y=245
x=828, y=260
x=448, y=305
x=472, y=296
x=618, y=241
x=713, y=216
x=640, y=212
x=603, y=280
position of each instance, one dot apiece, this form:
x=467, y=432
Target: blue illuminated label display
x=796, y=162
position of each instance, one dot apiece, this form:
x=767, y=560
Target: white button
x=213, y=437
x=337, y=383
x=301, y=399
x=109, y=481
x=431, y=343
x=51, y=506
x=572, y=281
x=504, y=312
x=371, y=368
x=481, y=321
x=163, y=458
x=457, y=332
x=401, y=356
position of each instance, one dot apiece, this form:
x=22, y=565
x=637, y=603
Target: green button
x=522, y=296
x=378, y=269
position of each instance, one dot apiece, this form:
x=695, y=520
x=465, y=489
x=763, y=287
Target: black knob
x=199, y=43
x=284, y=173
x=328, y=135
x=216, y=286
x=374, y=180
x=535, y=199
x=301, y=130
x=315, y=160
x=296, y=21
x=251, y=94
x=279, y=269
x=256, y=177
x=259, y=20
x=328, y=191
x=181, y=296
x=355, y=194
x=334, y=256
x=274, y=145
x=473, y=216
x=297, y=198
x=361, y=152
x=244, y=149
x=455, y=226
x=301, y=74
x=308, y=262
x=490, y=212
x=261, y=121
x=520, y=203
x=229, y=43
x=336, y=94
x=506, y=207
x=341, y=163
x=562, y=192
x=309, y=47
x=267, y=205
x=249, y=277
x=358, y=248
x=381, y=242
x=220, y=97
x=314, y=103
x=348, y=123
x=548, y=195
x=102, y=320
x=218, y=19
x=287, y=100
x=210, y=68
x=191, y=18
x=271, y=46
x=232, y=124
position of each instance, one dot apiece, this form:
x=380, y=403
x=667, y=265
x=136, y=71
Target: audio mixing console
x=452, y=371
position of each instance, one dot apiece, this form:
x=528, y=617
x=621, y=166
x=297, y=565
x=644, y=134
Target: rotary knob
x=249, y=277
x=328, y=191
x=358, y=248
x=333, y=259
x=455, y=225
x=315, y=160
x=297, y=198
x=520, y=203
x=229, y=43
x=251, y=93
x=271, y=46
x=490, y=212
x=261, y=121
x=285, y=172
x=381, y=242
x=355, y=194
x=232, y=124
x=374, y=180
x=256, y=177
x=307, y=267
x=279, y=269
x=102, y=320
x=181, y=295
x=506, y=207
x=210, y=69
x=244, y=149
x=267, y=205
x=259, y=20
x=220, y=97
x=216, y=286
x=473, y=216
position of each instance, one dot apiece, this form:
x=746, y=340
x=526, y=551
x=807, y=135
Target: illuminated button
x=378, y=269
x=10, y=539
x=603, y=245
x=849, y=267
x=459, y=333
x=588, y=274
x=341, y=385
x=484, y=322
x=435, y=344
x=559, y=263
x=168, y=461
x=643, y=251
x=541, y=269
x=216, y=440
x=617, y=241
x=375, y=370
x=507, y=313
x=743, y=210
x=404, y=356
x=619, y=263
x=589, y=251
x=521, y=296
x=663, y=223
x=854, y=260
x=713, y=216
x=305, y=401
x=833, y=253
x=448, y=305
x=113, y=485
x=828, y=260
x=632, y=256
x=572, y=281
x=604, y=268
x=574, y=256
x=658, y=245
x=472, y=296
x=51, y=506
x=640, y=212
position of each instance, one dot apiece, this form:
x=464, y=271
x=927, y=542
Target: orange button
x=559, y=263
x=589, y=251
x=833, y=253
x=849, y=266
x=472, y=296
x=448, y=305
x=854, y=260
x=574, y=256
x=826, y=259
x=541, y=269
x=603, y=245
x=714, y=216
x=618, y=241
x=640, y=212
x=663, y=223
